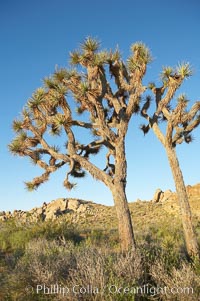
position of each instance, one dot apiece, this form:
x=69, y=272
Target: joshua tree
x=107, y=93
x=179, y=125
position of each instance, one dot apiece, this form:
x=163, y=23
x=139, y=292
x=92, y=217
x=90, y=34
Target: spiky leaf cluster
x=141, y=56
x=179, y=73
x=141, y=52
x=184, y=69
x=17, y=126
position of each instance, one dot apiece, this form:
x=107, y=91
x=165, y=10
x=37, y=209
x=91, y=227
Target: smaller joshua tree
x=179, y=124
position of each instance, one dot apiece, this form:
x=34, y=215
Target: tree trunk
x=126, y=235
x=125, y=227
x=189, y=234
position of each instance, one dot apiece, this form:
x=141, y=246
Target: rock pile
x=193, y=191
x=161, y=196
x=49, y=211
x=80, y=208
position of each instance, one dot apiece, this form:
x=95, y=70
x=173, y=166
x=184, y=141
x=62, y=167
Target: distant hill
x=163, y=206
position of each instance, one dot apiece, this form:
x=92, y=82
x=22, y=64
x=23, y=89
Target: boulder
x=158, y=196
x=73, y=204
x=8, y=214
x=60, y=203
x=82, y=208
x=50, y=215
x=15, y=213
x=52, y=210
x=39, y=211
x=167, y=195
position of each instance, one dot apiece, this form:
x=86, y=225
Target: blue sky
x=38, y=35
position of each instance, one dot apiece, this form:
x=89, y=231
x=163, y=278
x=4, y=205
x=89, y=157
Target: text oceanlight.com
x=111, y=289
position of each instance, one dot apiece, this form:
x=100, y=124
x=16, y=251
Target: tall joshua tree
x=180, y=122
x=104, y=108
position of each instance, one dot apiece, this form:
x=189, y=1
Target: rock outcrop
x=81, y=209
x=49, y=211
x=193, y=191
x=161, y=196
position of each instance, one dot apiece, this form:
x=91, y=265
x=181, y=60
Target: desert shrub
x=182, y=284
x=53, y=230
x=44, y=262
x=102, y=238
x=15, y=236
x=12, y=236
x=73, y=266
x=150, y=252
x=89, y=270
x=106, y=271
